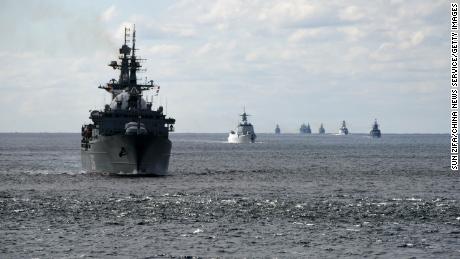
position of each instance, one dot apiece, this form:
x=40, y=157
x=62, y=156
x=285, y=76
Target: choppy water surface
x=286, y=196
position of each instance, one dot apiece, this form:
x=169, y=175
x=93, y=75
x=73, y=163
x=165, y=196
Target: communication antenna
x=126, y=33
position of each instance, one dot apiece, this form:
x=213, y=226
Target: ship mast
x=128, y=68
x=134, y=65
x=244, y=116
x=124, y=68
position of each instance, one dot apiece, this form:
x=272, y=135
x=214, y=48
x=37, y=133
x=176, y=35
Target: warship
x=244, y=132
x=321, y=130
x=343, y=130
x=308, y=130
x=277, y=129
x=375, y=132
x=305, y=129
x=129, y=136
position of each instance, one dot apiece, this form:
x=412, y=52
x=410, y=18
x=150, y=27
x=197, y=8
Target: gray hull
x=127, y=155
x=375, y=133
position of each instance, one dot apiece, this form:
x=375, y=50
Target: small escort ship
x=305, y=129
x=321, y=130
x=375, y=132
x=308, y=130
x=128, y=137
x=244, y=132
x=277, y=129
x=343, y=130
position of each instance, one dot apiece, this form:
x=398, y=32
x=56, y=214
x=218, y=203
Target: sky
x=287, y=62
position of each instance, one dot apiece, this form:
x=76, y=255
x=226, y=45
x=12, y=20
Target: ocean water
x=285, y=196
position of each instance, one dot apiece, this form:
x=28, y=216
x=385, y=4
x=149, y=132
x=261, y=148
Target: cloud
x=352, y=33
x=216, y=48
x=277, y=57
x=51, y=28
x=109, y=14
x=300, y=35
x=352, y=13
x=287, y=12
x=413, y=40
x=165, y=49
x=225, y=10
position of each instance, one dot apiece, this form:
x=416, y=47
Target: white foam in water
x=231, y=201
x=53, y=172
x=196, y=231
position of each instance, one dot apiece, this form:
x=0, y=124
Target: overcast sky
x=288, y=62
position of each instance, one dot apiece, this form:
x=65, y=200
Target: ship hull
x=234, y=138
x=127, y=155
x=375, y=133
x=343, y=132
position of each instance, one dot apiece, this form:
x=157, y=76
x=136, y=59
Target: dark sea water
x=285, y=196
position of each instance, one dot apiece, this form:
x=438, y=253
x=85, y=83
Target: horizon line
x=287, y=133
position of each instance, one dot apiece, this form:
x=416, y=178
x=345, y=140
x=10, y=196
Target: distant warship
x=308, y=129
x=244, y=132
x=128, y=137
x=375, y=132
x=277, y=129
x=343, y=130
x=305, y=129
x=321, y=130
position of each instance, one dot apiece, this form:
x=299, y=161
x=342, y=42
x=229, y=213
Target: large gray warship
x=128, y=137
